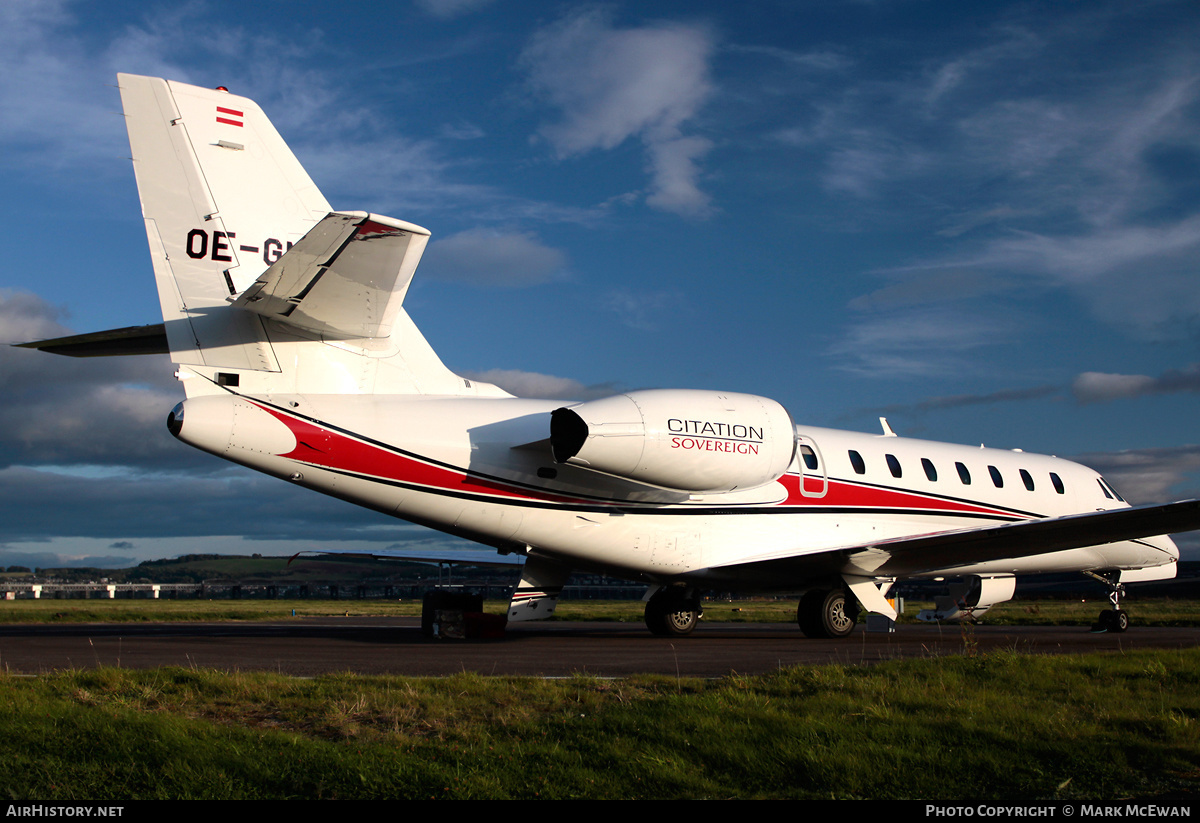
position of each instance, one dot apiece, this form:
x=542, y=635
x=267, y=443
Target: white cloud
x=541, y=386
x=927, y=287
x=1148, y=475
x=915, y=342
x=867, y=159
x=385, y=173
x=1137, y=278
x=56, y=409
x=446, y=9
x=962, y=400
x=1042, y=174
x=675, y=170
x=639, y=309
x=1082, y=258
x=1099, y=387
x=613, y=84
x=25, y=317
x=61, y=115
x=487, y=257
x=139, y=505
x=462, y=130
x=55, y=107
x=817, y=60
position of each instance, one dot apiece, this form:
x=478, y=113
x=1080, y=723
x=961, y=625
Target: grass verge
x=990, y=727
x=1161, y=612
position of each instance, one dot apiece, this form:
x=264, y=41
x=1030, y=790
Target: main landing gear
x=828, y=613
x=1114, y=619
x=673, y=612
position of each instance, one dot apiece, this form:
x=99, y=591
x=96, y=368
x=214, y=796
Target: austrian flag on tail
x=227, y=116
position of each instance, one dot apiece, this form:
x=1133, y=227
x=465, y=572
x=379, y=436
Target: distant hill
x=260, y=570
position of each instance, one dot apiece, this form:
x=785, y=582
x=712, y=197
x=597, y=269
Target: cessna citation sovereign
x=286, y=321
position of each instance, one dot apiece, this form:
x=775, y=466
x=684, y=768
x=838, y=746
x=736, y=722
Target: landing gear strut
x=828, y=613
x=673, y=612
x=1114, y=619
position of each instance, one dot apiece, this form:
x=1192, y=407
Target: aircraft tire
x=1111, y=620
x=671, y=616
x=827, y=613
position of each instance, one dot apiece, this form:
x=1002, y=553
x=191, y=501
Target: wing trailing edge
x=462, y=557
x=961, y=548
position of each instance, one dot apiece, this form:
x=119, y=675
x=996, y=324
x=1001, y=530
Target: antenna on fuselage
x=887, y=429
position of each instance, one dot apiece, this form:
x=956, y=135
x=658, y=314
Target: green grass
x=986, y=727
x=1157, y=612
x=1021, y=612
x=1014, y=613
x=151, y=611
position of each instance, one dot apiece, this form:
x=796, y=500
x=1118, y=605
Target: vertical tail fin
x=224, y=200
x=222, y=197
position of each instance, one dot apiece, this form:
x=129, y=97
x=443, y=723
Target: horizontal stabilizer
x=346, y=278
x=129, y=340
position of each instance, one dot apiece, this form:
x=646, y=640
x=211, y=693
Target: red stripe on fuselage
x=841, y=494
x=319, y=446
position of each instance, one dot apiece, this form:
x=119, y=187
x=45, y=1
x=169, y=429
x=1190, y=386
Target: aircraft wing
x=906, y=556
x=346, y=278
x=463, y=557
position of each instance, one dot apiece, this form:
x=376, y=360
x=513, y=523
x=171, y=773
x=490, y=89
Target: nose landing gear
x=1115, y=619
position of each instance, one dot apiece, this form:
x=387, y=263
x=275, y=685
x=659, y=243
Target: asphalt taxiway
x=382, y=645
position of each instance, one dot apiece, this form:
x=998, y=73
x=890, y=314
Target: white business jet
x=286, y=321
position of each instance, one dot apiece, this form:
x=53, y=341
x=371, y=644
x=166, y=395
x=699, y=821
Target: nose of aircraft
x=1169, y=547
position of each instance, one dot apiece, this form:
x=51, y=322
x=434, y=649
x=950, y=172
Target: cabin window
x=996, y=478
x=893, y=465
x=857, y=462
x=930, y=471
x=810, y=457
x=1056, y=481
x=963, y=474
x=1109, y=486
x=1027, y=479
x=1106, y=494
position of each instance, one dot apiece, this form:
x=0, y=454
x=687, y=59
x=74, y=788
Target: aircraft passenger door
x=814, y=481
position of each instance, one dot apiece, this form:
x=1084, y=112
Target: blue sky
x=981, y=220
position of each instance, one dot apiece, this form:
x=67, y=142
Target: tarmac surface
x=394, y=645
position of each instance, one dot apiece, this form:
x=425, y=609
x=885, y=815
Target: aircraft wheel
x=672, y=616
x=1111, y=620
x=828, y=613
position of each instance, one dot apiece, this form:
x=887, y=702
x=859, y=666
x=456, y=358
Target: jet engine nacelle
x=694, y=441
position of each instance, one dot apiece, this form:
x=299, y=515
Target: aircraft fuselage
x=480, y=468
